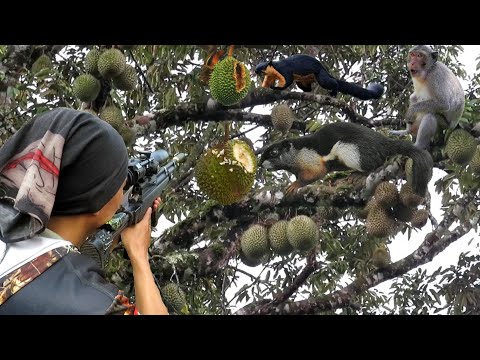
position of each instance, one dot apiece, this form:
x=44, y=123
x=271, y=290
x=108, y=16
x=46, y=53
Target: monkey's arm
x=427, y=106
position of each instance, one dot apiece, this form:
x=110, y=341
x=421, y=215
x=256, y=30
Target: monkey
x=438, y=99
x=304, y=70
x=355, y=146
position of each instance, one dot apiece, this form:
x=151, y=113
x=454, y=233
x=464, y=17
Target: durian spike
x=230, y=50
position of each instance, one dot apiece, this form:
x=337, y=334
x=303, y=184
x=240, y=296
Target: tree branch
x=211, y=110
x=434, y=243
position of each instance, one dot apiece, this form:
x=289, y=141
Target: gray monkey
x=438, y=98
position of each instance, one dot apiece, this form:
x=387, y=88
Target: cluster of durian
x=229, y=81
x=282, y=238
x=111, y=65
x=462, y=149
x=174, y=298
x=226, y=172
x=388, y=207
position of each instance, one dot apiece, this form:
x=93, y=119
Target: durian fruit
x=475, y=162
x=91, y=62
x=230, y=81
x=127, y=80
x=328, y=212
x=113, y=115
x=409, y=170
x=111, y=63
x=302, y=233
x=86, y=87
x=408, y=197
x=381, y=257
x=128, y=134
x=42, y=62
x=386, y=194
x=461, y=146
x=226, y=172
x=174, y=298
x=282, y=117
x=254, y=242
x=419, y=218
x=402, y=212
x=379, y=222
x=277, y=234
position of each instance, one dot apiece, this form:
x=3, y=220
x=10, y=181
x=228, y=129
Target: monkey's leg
x=327, y=82
x=426, y=131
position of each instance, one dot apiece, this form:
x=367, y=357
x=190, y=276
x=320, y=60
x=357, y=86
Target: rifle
x=146, y=180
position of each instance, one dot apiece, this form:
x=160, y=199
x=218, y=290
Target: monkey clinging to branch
x=437, y=100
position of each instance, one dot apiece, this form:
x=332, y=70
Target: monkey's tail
x=422, y=168
x=373, y=91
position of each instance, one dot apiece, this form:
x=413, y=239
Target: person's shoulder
x=89, y=273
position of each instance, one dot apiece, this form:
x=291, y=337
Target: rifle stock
x=146, y=181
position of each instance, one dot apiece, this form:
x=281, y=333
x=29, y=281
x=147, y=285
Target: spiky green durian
x=475, y=162
x=282, y=117
x=419, y=218
x=42, y=62
x=408, y=197
x=277, y=235
x=302, y=233
x=174, y=298
x=127, y=80
x=254, y=242
x=461, y=146
x=226, y=172
x=113, y=115
x=379, y=222
x=91, y=61
x=386, y=194
x=111, y=63
x=230, y=81
x=86, y=87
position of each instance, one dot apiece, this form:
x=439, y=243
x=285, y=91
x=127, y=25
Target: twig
x=141, y=72
x=244, y=132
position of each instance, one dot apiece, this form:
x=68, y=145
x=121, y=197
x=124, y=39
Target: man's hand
x=136, y=238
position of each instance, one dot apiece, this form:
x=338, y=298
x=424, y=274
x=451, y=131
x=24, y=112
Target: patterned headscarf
x=61, y=162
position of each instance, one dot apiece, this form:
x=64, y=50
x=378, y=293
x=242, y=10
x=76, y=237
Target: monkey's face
x=416, y=62
x=420, y=59
x=277, y=156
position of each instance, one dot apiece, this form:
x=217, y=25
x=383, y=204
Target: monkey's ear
x=435, y=55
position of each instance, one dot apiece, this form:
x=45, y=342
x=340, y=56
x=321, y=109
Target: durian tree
x=253, y=250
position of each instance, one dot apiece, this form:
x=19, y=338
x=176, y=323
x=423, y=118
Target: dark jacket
x=74, y=285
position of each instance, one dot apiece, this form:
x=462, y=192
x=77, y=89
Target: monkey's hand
x=398, y=132
x=427, y=106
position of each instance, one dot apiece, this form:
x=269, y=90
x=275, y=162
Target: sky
x=401, y=246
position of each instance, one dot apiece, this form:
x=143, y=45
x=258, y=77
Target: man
x=61, y=177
